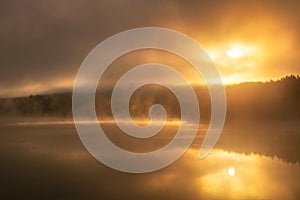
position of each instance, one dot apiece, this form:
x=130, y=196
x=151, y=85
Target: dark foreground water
x=48, y=161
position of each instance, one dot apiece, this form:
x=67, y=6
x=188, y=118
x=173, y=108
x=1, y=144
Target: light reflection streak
x=70, y=122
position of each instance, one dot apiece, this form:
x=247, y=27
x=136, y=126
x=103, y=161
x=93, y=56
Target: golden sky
x=43, y=43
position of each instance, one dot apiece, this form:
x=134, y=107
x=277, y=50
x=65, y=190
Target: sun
x=231, y=171
x=235, y=52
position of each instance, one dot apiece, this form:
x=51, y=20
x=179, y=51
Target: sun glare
x=231, y=171
x=235, y=52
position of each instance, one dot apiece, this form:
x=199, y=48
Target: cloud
x=45, y=41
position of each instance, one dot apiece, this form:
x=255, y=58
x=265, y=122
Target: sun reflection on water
x=253, y=179
x=231, y=171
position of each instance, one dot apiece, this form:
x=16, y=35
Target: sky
x=43, y=43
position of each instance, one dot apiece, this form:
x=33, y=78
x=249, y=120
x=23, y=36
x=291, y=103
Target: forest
x=250, y=100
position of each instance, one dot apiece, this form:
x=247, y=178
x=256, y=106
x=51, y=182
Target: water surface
x=48, y=161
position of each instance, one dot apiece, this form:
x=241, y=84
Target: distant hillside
x=272, y=100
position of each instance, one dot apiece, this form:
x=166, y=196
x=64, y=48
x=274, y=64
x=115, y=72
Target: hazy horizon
x=69, y=90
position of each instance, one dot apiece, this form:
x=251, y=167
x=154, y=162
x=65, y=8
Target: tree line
x=251, y=100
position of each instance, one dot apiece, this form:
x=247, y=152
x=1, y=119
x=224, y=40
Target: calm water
x=50, y=162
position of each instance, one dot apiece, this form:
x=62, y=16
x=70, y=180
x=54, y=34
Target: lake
x=48, y=161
